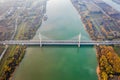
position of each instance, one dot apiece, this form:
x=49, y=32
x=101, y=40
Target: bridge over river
x=58, y=43
x=41, y=42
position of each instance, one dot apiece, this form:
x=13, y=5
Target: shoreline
x=98, y=72
x=87, y=23
x=8, y=74
x=12, y=75
x=97, y=67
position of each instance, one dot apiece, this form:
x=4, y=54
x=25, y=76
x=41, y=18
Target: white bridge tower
x=40, y=38
x=79, y=38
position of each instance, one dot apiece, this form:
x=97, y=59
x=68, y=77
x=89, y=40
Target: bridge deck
x=58, y=42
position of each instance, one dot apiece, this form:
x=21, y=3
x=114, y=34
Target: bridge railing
x=57, y=42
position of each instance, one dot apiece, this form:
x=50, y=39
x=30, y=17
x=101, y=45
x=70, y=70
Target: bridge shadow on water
x=61, y=46
x=76, y=48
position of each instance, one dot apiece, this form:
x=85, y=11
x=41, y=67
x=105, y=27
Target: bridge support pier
x=79, y=37
x=40, y=40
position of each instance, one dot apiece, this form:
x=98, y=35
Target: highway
x=1, y=56
x=6, y=47
x=58, y=42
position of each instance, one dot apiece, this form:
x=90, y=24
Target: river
x=59, y=63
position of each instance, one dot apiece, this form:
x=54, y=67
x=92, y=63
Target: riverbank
x=27, y=28
x=98, y=72
x=96, y=26
x=59, y=63
x=12, y=62
x=109, y=67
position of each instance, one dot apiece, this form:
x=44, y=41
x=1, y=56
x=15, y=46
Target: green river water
x=59, y=63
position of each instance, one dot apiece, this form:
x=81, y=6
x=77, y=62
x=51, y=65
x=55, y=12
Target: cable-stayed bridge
x=41, y=42
x=58, y=42
x=48, y=42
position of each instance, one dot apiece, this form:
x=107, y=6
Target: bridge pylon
x=40, y=38
x=79, y=38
